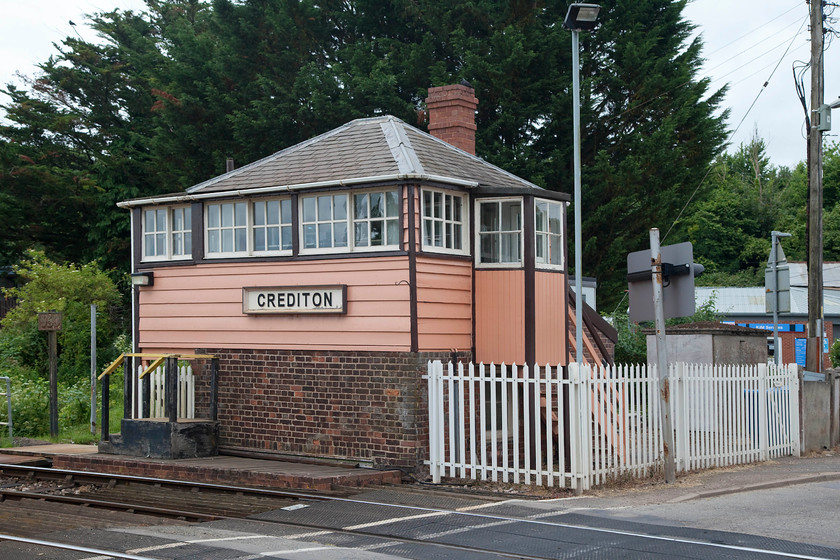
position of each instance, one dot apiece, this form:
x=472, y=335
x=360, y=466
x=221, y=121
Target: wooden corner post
x=171, y=402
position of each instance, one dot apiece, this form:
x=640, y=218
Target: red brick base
x=363, y=406
x=244, y=475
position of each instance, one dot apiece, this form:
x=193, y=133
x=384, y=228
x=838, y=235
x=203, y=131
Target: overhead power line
x=748, y=33
x=709, y=170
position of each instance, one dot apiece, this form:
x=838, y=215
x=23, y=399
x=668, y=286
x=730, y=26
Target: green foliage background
x=69, y=289
x=168, y=93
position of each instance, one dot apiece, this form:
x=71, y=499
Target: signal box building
x=326, y=275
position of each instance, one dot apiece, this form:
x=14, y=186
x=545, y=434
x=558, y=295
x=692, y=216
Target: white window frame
x=187, y=230
x=221, y=228
x=426, y=220
x=280, y=225
x=323, y=220
x=386, y=218
x=350, y=222
x=166, y=231
x=520, y=231
x=549, y=236
x=249, y=229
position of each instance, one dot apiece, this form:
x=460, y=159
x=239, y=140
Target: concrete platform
x=221, y=469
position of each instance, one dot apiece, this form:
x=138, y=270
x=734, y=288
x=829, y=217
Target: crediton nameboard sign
x=295, y=299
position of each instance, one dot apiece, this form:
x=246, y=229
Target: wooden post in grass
x=50, y=322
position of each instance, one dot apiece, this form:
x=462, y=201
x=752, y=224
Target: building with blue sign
x=746, y=307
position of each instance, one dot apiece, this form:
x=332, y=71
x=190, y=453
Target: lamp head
x=143, y=278
x=582, y=17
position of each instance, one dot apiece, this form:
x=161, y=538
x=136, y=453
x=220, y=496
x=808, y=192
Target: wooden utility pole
x=813, y=353
x=51, y=322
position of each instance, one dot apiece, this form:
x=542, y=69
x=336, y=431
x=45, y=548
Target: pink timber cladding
x=200, y=306
x=500, y=316
x=550, y=318
x=444, y=304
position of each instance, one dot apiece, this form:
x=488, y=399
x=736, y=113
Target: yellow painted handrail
x=114, y=365
x=159, y=359
x=154, y=365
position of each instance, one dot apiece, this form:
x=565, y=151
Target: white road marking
x=465, y=529
x=396, y=520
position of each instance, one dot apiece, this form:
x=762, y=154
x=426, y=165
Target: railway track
x=473, y=529
x=90, y=497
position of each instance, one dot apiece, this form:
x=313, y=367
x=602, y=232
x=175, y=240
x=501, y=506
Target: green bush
x=31, y=404
x=74, y=403
x=834, y=353
x=70, y=289
x=30, y=407
x=631, y=347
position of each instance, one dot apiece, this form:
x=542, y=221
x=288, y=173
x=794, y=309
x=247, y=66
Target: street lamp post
x=580, y=17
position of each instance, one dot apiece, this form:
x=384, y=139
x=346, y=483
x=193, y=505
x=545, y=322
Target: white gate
x=582, y=425
x=157, y=392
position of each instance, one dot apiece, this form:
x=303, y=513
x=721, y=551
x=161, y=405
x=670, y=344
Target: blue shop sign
x=783, y=327
x=800, y=344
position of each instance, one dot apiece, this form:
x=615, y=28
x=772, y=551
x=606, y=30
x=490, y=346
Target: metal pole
x=662, y=358
x=773, y=251
x=577, y=198
x=93, y=368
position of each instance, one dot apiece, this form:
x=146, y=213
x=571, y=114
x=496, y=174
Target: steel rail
x=74, y=548
x=89, y=476
x=133, y=508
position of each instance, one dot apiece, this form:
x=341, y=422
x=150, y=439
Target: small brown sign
x=49, y=321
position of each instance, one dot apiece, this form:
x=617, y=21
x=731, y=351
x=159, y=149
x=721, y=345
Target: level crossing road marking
x=435, y=513
x=184, y=543
x=466, y=529
x=396, y=520
x=377, y=546
x=486, y=505
x=293, y=551
x=308, y=535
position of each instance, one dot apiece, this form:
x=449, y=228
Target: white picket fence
x=157, y=393
x=582, y=425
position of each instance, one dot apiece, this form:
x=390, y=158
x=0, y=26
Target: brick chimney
x=452, y=115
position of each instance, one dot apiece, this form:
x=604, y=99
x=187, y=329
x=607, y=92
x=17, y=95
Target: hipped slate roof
x=363, y=151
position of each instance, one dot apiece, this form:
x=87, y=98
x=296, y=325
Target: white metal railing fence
x=580, y=426
x=157, y=392
x=8, y=394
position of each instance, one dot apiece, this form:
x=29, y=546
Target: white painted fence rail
x=581, y=426
x=157, y=392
